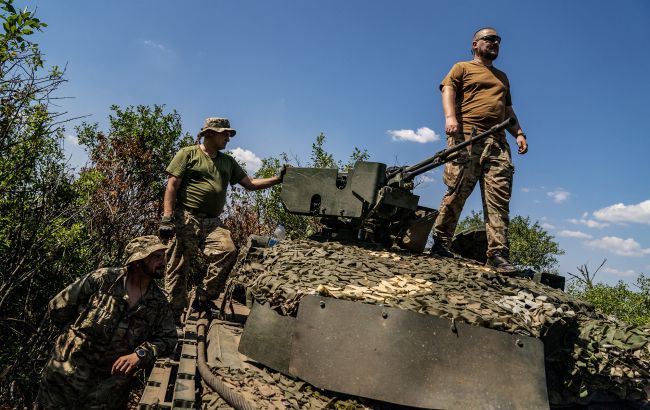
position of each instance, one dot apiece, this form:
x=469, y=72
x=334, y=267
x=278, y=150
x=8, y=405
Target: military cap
x=218, y=125
x=141, y=247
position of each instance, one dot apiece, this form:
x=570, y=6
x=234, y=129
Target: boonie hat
x=218, y=125
x=143, y=246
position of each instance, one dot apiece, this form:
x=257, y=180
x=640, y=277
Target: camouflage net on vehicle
x=589, y=357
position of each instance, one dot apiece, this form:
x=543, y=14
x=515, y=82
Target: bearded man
x=475, y=94
x=116, y=320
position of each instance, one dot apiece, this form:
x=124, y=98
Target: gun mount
x=371, y=202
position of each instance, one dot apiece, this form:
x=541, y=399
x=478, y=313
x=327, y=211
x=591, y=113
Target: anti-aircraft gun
x=371, y=202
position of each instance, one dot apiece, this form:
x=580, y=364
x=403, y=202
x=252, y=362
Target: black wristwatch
x=141, y=353
x=521, y=134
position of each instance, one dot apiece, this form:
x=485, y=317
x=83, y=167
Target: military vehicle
x=358, y=317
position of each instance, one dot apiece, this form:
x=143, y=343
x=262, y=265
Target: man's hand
x=451, y=125
x=522, y=144
x=166, y=229
x=125, y=365
x=283, y=171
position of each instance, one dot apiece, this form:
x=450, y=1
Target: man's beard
x=490, y=54
x=156, y=273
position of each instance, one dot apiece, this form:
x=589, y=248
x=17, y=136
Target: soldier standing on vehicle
x=198, y=178
x=117, y=320
x=477, y=95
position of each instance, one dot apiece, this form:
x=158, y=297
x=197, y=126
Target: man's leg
x=220, y=252
x=111, y=392
x=496, y=190
x=460, y=179
x=179, y=255
x=64, y=383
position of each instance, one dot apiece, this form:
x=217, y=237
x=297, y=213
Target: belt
x=196, y=213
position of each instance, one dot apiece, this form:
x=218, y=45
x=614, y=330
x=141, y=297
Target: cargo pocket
x=455, y=170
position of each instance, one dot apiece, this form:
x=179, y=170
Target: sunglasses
x=492, y=38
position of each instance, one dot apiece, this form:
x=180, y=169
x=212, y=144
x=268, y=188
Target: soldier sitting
x=117, y=320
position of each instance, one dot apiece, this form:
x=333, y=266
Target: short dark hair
x=481, y=29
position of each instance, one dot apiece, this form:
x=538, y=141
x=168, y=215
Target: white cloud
x=72, y=139
x=547, y=225
x=590, y=223
x=426, y=178
x=559, y=195
x=155, y=45
x=625, y=273
x=252, y=161
x=574, y=234
x=422, y=135
x=525, y=189
x=619, y=246
x=639, y=213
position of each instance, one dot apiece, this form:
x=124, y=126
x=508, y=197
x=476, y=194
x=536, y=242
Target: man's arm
x=169, y=201
x=449, y=108
x=516, y=131
x=259, y=183
x=160, y=343
x=63, y=308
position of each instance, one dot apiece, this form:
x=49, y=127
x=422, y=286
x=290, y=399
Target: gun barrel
x=446, y=155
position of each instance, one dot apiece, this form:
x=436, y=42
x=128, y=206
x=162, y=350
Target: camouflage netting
x=589, y=357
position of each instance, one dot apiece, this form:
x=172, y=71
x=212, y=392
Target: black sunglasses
x=492, y=38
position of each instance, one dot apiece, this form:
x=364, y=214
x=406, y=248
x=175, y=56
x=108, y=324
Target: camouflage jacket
x=96, y=310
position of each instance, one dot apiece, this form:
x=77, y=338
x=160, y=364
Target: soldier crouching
x=117, y=320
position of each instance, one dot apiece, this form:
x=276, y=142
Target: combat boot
x=202, y=303
x=440, y=250
x=501, y=264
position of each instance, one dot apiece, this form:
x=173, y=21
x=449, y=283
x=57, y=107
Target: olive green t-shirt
x=482, y=93
x=205, y=180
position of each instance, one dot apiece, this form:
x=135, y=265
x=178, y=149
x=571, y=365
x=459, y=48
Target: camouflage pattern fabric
x=490, y=164
x=100, y=327
x=218, y=125
x=589, y=357
x=194, y=233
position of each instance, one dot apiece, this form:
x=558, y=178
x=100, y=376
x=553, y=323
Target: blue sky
x=284, y=71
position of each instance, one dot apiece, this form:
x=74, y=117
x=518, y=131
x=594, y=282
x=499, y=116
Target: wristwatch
x=141, y=353
x=522, y=134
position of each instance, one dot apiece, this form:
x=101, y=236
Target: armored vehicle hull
x=585, y=357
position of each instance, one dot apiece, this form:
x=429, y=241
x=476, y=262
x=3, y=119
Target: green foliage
x=472, y=221
x=267, y=203
x=531, y=246
x=319, y=157
x=125, y=181
x=17, y=25
x=632, y=307
x=620, y=301
x=42, y=240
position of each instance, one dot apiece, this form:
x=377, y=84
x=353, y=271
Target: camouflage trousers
x=195, y=232
x=74, y=379
x=489, y=163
